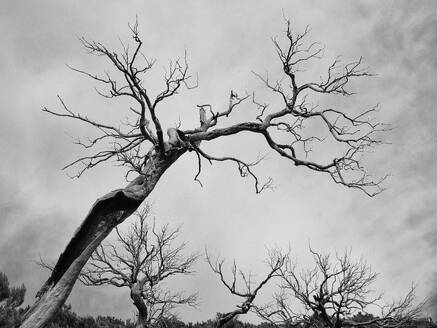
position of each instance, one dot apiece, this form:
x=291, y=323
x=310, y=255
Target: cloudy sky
x=40, y=206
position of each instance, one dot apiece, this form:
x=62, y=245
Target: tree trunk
x=106, y=213
x=135, y=294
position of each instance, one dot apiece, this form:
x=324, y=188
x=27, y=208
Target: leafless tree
x=141, y=146
x=140, y=260
x=335, y=293
x=242, y=285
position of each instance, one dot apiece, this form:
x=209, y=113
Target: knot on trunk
x=176, y=138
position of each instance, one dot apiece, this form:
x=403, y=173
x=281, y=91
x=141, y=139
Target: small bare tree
x=140, y=260
x=141, y=146
x=335, y=293
x=242, y=285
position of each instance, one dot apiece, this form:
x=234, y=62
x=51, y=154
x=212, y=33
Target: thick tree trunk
x=135, y=294
x=106, y=213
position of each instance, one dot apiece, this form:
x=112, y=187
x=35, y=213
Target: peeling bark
x=106, y=213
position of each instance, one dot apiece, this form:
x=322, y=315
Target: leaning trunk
x=143, y=313
x=106, y=213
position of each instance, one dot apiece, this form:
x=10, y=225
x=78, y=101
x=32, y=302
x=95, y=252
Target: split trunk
x=106, y=213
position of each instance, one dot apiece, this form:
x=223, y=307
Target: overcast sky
x=40, y=207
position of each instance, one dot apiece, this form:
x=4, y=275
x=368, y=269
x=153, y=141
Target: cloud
x=225, y=43
x=399, y=51
x=24, y=238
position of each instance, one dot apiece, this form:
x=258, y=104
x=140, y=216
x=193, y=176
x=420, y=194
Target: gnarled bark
x=135, y=294
x=106, y=213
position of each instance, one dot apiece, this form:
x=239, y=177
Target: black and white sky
x=40, y=206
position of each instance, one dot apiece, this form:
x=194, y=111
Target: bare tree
x=140, y=260
x=242, y=285
x=141, y=146
x=335, y=293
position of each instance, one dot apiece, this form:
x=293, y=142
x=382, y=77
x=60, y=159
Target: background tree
x=141, y=260
x=11, y=298
x=242, y=285
x=142, y=147
x=335, y=293
x=66, y=318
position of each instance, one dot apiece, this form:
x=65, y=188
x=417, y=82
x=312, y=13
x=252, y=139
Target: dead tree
x=142, y=146
x=242, y=285
x=335, y=293
x=140, y=260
